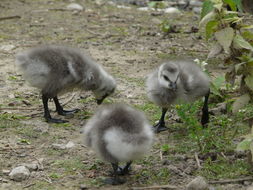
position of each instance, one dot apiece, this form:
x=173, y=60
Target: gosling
x=58, y=69
x=178, y=81
x=118, y=133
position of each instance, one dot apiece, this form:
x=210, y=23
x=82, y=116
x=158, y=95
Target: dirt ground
x=129, y=44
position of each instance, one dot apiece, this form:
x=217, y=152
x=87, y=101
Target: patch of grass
x=222, y=168
x=152, y=176
x=165, y=148
x=121, y=30
x=66, y=126
x=27, y=132
x=217, y=137
x=4, y=37
x=151, y=110
x=98, y=182
x=54, y=175
x=87, y=100
x=8, y=120
x=13, y=78
x=83, y=115
x=53, y=152
x=42, y=185
x=70, y=165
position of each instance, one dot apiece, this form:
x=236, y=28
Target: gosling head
x=106, y=88
x=168, y=75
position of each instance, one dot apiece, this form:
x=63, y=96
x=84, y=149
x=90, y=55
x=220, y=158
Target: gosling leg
x=126, y=169
x=47, y=115
x=205, y=113
x=60, y=109
x=160, y=126
x=115, y=180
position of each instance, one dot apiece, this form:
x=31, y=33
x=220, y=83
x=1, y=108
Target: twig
x=58, y=9
x=197, y=160
x=231, y=180
x=97, y=34
x=157, y=187
x=69, y=100
x=161, y=155
x=17, y=108
x=48, y=179
x=13, y=149
x=223, y=155
x=9, y=17
x=29, y=185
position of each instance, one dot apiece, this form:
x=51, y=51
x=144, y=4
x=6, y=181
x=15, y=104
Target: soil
x=129, y=44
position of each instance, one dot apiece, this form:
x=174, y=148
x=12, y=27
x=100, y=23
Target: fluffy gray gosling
x=57, y=69
x=118, y=133
x=175, y=82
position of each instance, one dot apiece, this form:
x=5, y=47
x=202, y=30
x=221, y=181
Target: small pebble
x=74, y=6
x=199, y=183
x=19, y=173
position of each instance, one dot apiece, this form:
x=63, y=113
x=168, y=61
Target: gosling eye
x=171, y=70
x=165, y=77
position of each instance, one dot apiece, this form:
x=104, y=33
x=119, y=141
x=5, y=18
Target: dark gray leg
x=205, y=113
x=115, y=180
x=126, y=169
x=47, y=115
x=60, y=109
x=160, y=126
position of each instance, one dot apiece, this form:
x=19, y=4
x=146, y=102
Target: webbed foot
x=114, y=181
x=67, y=112
x=53, y=120
x=159, y=127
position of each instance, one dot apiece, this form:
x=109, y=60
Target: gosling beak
x=100, y=101
x=173, y=85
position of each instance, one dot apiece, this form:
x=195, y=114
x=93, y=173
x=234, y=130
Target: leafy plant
x=187, y=113
x=165, y=148
x=247, y=145
x=230, y=35
x=210, y=139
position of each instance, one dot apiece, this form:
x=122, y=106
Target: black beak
x=100, y=101
x=173, y=85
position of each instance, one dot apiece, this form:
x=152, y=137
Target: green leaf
x=152, y=4
x=249, y=81
x=211, y=26
x=248, y=35
x=244, y=145
x=225, y=38
x=240, y=102
x=247, y=27
x=24, y=141
x=215, y=50
x=240, y=43
x=218, y=6
x=216, y=84
x=207, y=7
x=210, y=16
x=232, y=4
x=239, y=68
x=238, y=4
x=233, y=20
x=219, y=81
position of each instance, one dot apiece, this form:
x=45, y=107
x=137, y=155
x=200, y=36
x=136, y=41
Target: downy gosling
x=175, y=82
x=118, y=133
x=58, y=69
